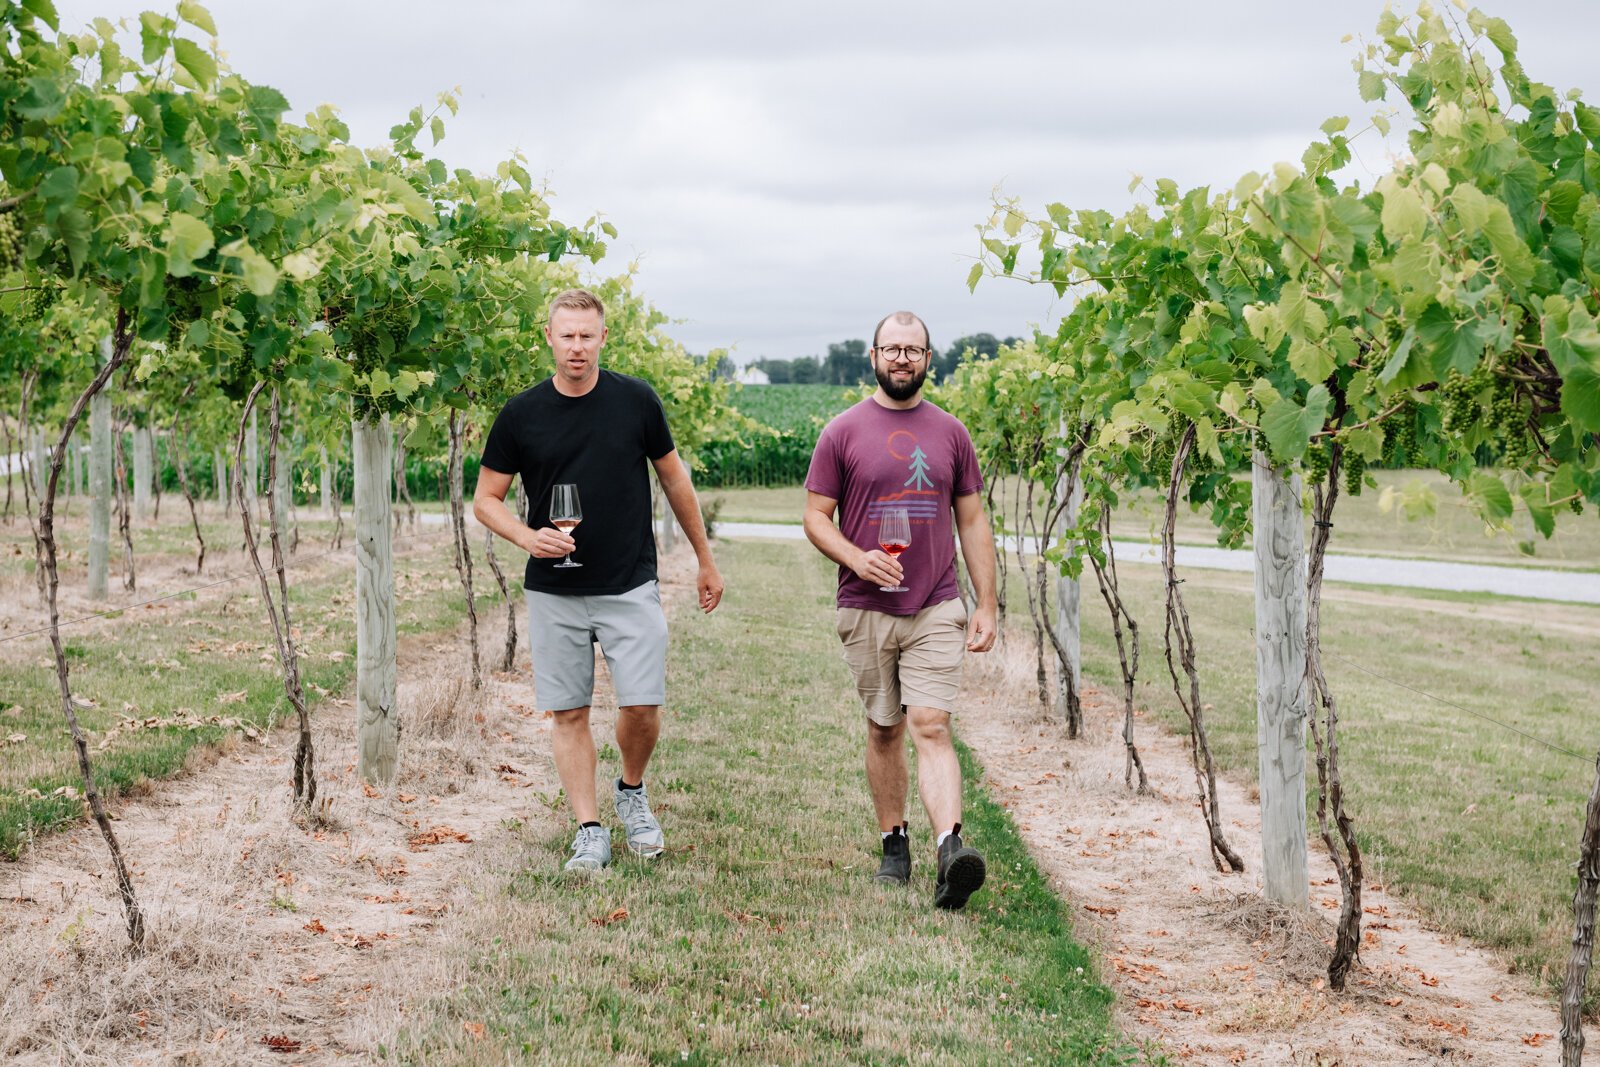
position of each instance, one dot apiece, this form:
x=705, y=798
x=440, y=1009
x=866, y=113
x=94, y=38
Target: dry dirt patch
x=265, y=938
x=1199, y=962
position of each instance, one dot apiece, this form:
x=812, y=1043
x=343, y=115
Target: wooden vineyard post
x=219, y=475
x=39, y=464
x=377, y=717
x=326, y=483
x=100, y=486
x=141, y=472
x=1280, y=682
x=1583, y=905
x=668, y=534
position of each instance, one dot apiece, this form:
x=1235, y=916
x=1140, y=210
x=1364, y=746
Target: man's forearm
x=492, y=512
x=823, y=533
x=978, y=549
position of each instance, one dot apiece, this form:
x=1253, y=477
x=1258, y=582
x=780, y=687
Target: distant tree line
x=847, y=364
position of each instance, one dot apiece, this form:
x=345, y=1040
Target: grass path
x=761, y=936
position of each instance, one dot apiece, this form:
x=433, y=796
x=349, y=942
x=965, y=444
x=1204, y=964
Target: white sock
x=940, y=843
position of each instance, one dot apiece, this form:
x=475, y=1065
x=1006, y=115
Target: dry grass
x=258, y=929
x=1296, y=939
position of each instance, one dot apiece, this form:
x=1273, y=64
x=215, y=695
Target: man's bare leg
x=886, y=772
x=572, y=743
x=638, y=728
x=961, y=867
x=938, y=769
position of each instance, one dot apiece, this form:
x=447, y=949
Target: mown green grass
x=759, y=505
x=195, y=656
x=1454, y=531
x=761, y=937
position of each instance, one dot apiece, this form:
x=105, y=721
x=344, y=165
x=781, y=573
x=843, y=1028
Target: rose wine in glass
x=565, y=514
x=894, y=537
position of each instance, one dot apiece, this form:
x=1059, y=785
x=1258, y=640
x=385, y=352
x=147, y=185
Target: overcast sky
x=787, y=174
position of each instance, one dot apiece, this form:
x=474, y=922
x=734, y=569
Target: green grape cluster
x=10, y=241
x=37, y=300
x=1163, y=448
x=1461, y=408
x=1400, y=435
x=1576, y=504
x=1262, y=445
x=1355, y=468
x=366, y=337
x=1510, y=423
x=364, y=351
x=1319, y=460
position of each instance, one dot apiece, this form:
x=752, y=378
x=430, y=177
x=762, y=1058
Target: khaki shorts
x=905, y=659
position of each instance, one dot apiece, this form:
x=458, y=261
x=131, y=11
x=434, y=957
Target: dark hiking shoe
x=896, y=866
x=961, y=872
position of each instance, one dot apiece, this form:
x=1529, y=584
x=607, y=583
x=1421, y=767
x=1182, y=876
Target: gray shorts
x=630, y=629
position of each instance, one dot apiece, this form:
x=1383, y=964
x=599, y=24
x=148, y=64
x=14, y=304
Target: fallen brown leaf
x=435, y=835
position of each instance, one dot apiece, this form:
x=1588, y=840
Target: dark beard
x=896, y=391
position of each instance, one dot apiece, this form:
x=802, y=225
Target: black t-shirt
x=599, y=442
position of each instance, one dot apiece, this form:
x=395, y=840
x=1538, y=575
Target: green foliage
x=1443, y=316
x=147, y=179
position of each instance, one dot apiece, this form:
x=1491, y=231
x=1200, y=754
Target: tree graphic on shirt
x=919, y=471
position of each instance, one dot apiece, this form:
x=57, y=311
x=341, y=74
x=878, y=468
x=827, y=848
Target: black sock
x=586, y=825
x=630, y=788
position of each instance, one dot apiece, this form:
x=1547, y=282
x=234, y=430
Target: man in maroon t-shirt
x=896, y=459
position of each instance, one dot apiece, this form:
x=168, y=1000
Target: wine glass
x=565, y=514
x=894, y=537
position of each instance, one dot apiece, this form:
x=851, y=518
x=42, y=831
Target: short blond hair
x=578, y=300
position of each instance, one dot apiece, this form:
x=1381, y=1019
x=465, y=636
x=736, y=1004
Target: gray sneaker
x=633, y=808
x=591, y=849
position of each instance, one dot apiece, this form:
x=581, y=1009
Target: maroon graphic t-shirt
x=870, y=458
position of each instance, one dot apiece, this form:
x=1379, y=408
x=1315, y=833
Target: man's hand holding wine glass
x=879, y=568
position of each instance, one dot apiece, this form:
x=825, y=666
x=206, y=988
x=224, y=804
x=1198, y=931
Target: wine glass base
x=893, y=589
x=564, y=566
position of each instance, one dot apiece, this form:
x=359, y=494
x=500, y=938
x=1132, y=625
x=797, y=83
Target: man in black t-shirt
x=594, y=429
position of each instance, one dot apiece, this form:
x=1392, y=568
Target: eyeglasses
x=909, y=353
